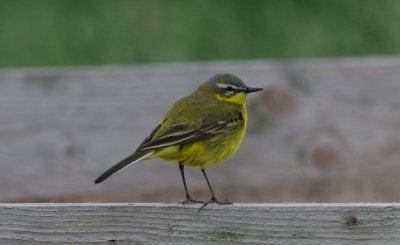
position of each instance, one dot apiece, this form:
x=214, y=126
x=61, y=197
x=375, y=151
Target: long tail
x=132, y=159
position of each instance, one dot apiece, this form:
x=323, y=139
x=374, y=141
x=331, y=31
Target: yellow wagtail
x=200, y=130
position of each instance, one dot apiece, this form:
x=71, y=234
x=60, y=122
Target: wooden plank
x=323, y=130
x=151, y=223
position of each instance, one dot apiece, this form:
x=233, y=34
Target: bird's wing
x=183, y=134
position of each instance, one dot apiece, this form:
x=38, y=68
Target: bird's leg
x=213, y=198
x=189, y=199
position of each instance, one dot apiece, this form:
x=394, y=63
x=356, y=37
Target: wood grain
x=323, y=130
x=152, y=223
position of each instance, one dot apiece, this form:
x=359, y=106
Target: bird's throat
x=238, y=98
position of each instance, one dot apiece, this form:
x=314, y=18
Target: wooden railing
x=154, y=223
x=322, y=130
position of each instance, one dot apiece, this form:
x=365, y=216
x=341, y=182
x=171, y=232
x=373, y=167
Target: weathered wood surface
x=323, y=130
x=297, y=224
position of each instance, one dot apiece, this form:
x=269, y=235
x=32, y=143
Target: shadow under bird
x=200, y=130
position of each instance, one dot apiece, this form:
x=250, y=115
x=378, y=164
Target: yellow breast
x=209, y=152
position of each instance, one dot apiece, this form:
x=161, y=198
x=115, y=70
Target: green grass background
x=88, y=32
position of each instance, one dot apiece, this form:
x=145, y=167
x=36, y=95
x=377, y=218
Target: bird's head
x=228, y=87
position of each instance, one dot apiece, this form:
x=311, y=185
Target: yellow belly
x=204, y=153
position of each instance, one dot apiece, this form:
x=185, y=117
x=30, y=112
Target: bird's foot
x=214, y=200
x=189, y=201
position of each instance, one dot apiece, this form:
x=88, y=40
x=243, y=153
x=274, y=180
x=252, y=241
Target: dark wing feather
x=148, y=138
x=176, y=134
x=179, y=134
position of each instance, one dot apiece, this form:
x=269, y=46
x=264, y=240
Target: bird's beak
x=252, y=90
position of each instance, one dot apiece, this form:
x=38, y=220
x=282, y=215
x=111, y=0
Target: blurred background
x=83, y=82
x=50, y=33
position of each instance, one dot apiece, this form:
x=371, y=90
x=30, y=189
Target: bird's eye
x=229, y=88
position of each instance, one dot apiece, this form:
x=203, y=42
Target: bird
x=200, y=130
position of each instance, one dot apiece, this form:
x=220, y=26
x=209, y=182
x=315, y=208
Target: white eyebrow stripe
x=224, y=85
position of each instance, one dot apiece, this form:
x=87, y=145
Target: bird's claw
x=214, y=200
x=189, y=201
